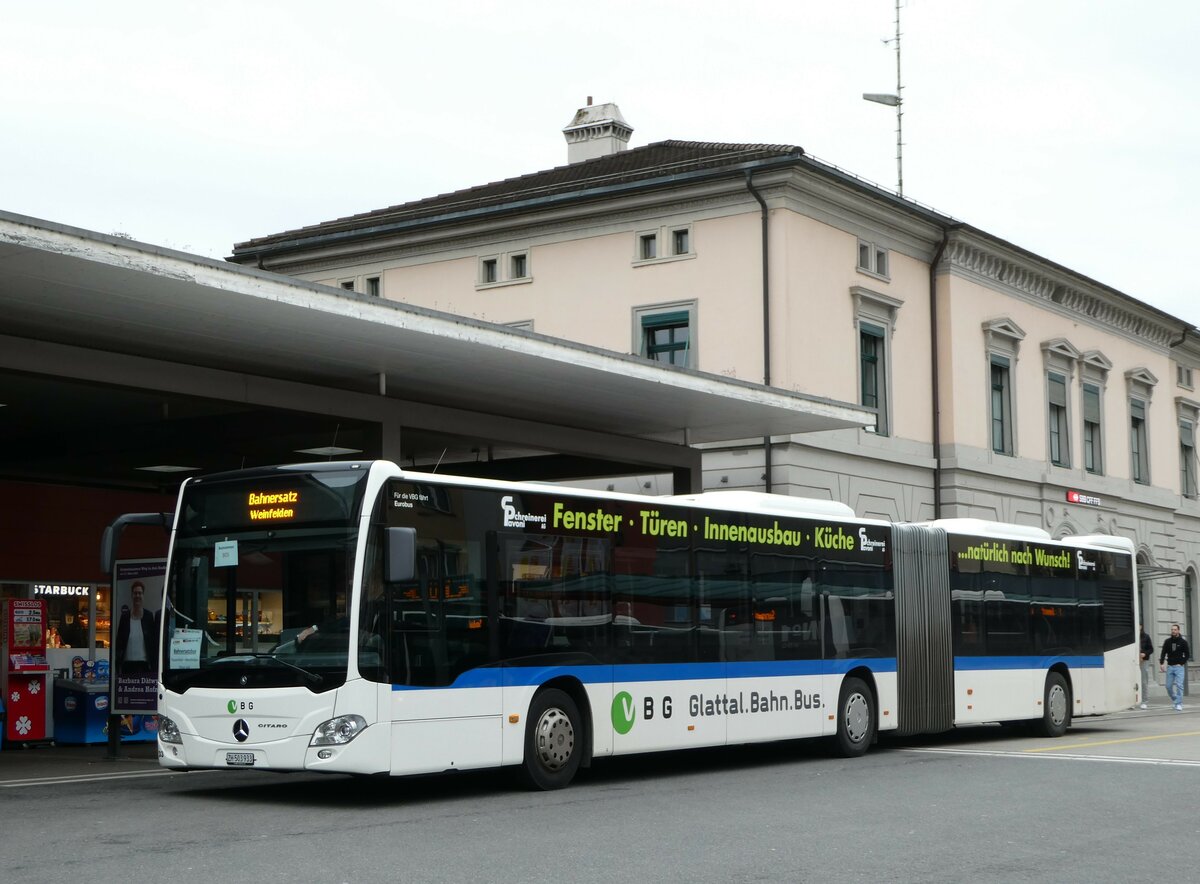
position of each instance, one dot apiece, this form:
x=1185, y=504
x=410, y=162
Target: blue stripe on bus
x=521, y=676
x=518, y=676
x=977, y=664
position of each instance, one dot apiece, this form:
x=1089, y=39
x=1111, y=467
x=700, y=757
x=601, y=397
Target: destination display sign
x=258, y=503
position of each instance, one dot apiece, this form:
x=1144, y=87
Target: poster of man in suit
x=137, y=599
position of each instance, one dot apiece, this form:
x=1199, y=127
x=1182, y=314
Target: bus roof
x=759, y=501
x=987, y=528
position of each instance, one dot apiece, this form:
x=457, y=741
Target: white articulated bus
x=358, y=618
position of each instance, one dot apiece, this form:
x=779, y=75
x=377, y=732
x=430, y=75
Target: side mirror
x=400, y=555
x=112, y=534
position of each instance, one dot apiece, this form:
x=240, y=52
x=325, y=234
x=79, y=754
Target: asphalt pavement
x=21, y=764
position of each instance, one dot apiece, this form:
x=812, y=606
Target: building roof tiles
x=661, y=159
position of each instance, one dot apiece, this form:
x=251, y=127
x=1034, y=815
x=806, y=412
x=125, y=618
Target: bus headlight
x=168, y=731
x=338, y=731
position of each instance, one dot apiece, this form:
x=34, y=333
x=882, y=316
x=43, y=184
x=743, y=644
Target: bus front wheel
x=1056, y=707
x=855, y=718
x=553, y=740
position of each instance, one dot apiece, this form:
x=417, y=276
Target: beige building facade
x=1006, y=387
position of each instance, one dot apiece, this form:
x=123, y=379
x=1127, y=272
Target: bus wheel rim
x=555, y=737
x=858, y=717
x=1057, y=703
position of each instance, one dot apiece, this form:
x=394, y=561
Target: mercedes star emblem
x=241, y=730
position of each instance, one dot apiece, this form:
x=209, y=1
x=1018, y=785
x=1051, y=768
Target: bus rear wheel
x=1056, y=707
x=553, y=740
x=855, y=718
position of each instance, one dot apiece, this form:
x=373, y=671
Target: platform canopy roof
x=67, y=286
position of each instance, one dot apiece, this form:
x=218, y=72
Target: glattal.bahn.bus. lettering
x=701, y=706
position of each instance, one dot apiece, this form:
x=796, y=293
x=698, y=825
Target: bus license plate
x=239, y=759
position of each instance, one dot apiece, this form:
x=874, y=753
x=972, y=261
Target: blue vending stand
x=81, y=715
x=80, y=711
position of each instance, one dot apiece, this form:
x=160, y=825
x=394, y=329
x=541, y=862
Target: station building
x=1000, y=385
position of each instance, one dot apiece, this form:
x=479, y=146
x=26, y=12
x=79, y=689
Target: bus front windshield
x=265, y=604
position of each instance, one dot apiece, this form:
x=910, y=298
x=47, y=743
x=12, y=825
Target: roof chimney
x=597, y=130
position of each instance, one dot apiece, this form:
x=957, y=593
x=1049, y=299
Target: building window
x=1001, y=405
x=666, y=332
x=1059, y=438
x=503, y=269
x=1061, y=359
x=1002, y=339
x=872, y=361
x=661, y=245
x=875, y=318
x=1093, y=459
x=373, y=286
x=1183, y=376
x=348, y=285
x=1187, y=458
x=1094, y=367
x=667, y=336
x=1138, y=453
x=872, y=259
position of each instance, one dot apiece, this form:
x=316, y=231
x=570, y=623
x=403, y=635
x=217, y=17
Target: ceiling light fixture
x=329, y=450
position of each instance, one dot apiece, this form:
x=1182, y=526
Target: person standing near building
x=1147, y=656
x=1172, y=660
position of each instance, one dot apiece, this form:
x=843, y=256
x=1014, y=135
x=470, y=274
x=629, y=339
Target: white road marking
x=1062, y=756
x=80, y=778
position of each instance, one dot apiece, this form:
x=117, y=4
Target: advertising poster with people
x=133, y=649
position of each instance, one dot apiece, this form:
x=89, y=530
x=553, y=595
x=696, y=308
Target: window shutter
x=1091, y=405
x=658, y=320
x=1058, y=390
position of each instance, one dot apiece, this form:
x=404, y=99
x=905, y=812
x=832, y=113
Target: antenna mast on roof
x=895, y=100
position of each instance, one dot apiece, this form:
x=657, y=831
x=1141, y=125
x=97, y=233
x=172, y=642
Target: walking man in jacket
x=1172, y=660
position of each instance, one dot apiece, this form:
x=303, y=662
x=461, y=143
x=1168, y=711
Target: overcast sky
x=1067, y=127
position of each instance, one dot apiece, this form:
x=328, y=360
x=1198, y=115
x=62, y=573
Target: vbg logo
x=233, y=706
x=623, y=713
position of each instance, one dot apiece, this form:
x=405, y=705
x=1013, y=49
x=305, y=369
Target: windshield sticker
x=225, y=554
x=185, y=648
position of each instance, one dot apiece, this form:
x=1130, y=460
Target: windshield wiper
x=312, y=677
